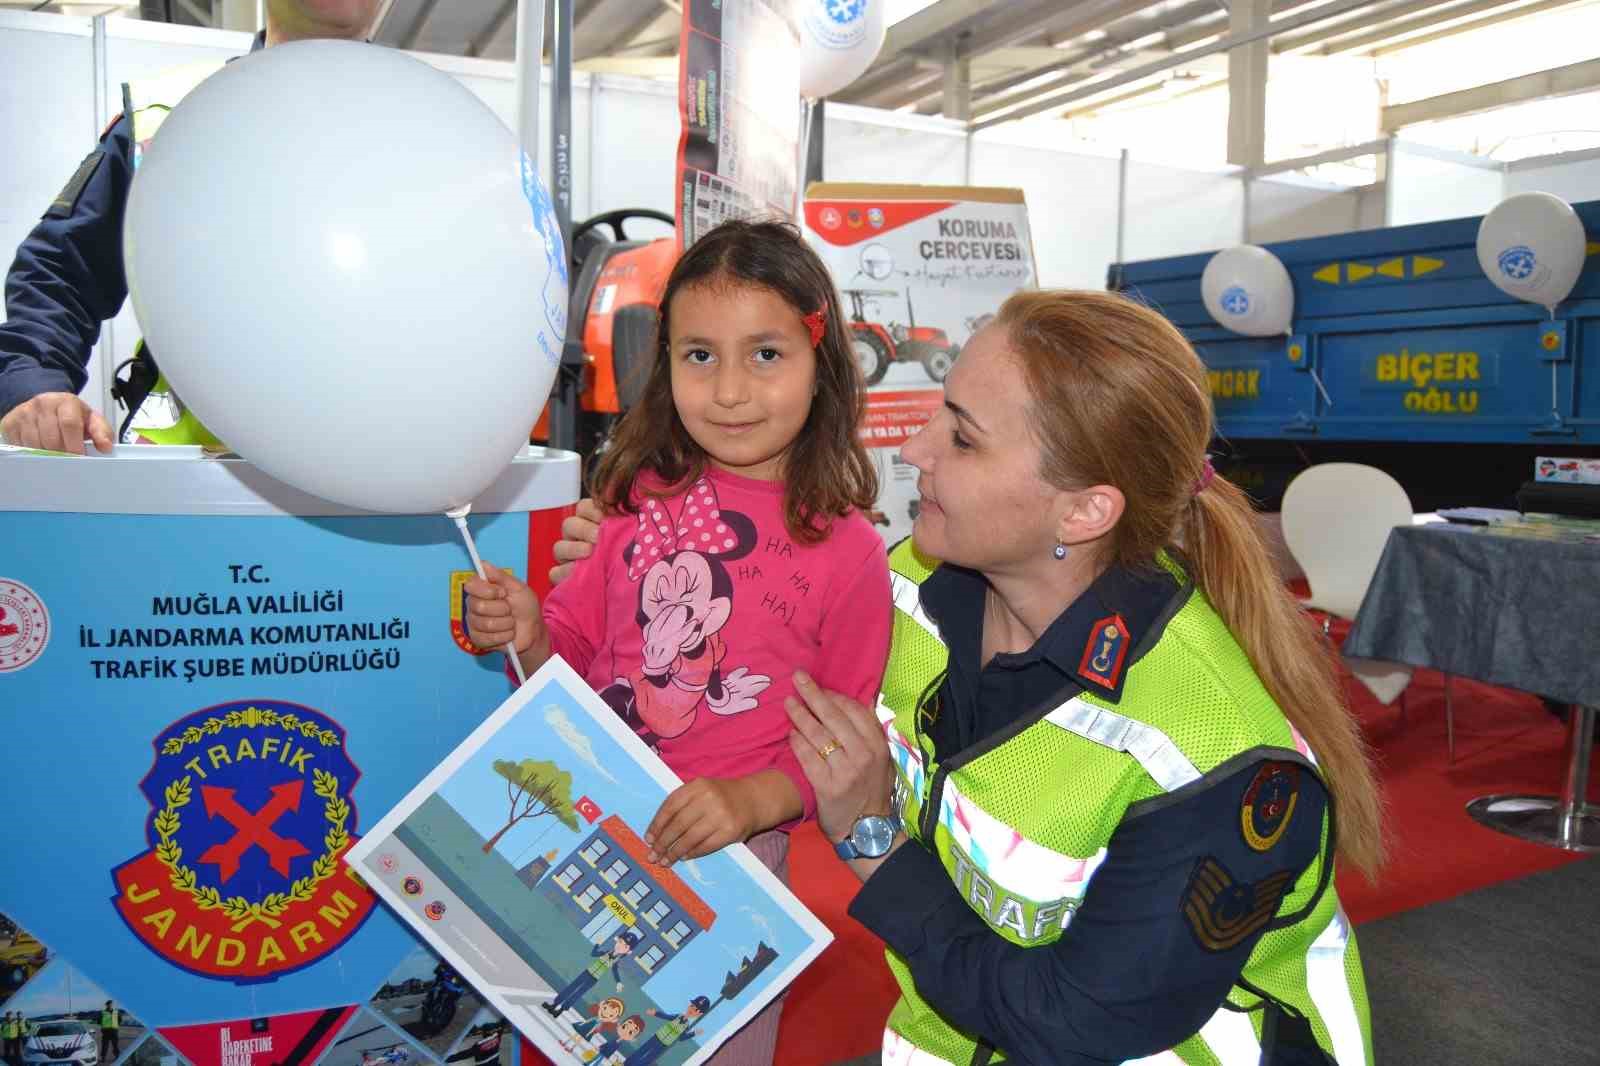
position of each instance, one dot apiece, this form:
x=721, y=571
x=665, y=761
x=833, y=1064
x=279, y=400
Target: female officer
x=1103, y=826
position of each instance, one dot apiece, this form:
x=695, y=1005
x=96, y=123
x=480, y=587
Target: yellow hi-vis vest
x=162, y=418
x=110, y=1019
x=1037, y=812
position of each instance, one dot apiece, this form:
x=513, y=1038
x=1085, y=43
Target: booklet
x=520, y=859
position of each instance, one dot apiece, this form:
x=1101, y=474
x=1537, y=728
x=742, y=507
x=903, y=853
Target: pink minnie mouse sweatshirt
x=692, y=616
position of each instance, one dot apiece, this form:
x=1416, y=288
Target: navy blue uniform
x=1129, y=976
x=67, y=278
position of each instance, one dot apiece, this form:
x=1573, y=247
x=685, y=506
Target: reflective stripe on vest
x=908, y=601
x=1168, y=766
x=1327, y=980
x=1004, y=863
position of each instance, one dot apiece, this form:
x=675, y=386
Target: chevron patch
x=1222, y=912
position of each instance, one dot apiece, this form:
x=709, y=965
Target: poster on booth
x=739, y=104
x=210, y=685
x=521, y=859
x=920, y=269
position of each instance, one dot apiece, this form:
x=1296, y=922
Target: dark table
x=1516, y=605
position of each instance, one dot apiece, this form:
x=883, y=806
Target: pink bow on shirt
x=699, y=528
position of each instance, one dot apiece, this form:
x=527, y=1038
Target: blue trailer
x=1404, y=356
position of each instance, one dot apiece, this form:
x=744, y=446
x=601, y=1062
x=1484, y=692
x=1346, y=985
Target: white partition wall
x=1168, y=211
x=867, y=145
x=47, y=121
x=1574, y=177
x=1286, y=207
x=1431, y=184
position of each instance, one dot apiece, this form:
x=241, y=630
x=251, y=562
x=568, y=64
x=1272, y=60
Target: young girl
x=735, y=552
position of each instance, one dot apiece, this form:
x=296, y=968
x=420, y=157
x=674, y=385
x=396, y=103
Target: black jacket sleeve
x=1162, y=932
x=67, y=278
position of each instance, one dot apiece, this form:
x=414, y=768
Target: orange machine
x=616, y=287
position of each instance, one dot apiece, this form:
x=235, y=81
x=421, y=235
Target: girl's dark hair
x=827, y=471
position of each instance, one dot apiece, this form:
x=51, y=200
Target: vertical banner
x=919, y=269
x=738, y=93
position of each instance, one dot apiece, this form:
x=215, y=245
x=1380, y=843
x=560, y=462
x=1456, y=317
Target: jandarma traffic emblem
x=251, y=816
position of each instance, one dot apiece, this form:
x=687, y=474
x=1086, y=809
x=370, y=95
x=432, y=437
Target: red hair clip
x=817, y=323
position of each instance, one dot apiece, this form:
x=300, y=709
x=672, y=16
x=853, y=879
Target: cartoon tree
x=534, y=788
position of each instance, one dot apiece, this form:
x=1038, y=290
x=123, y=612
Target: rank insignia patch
x=1105, y=653
x=1269, y=804
x=1222, y=912
x=244, y=880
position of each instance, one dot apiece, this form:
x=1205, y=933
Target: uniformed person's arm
x=1149, y=955
x=67, y=278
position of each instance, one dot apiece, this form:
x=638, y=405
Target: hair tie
x=817, y=323
x=1207, y=472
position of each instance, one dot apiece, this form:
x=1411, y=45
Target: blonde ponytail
x=1121, y=398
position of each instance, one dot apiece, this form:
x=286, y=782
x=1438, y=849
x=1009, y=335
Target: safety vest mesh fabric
x=162, y=418
x=1021, y=845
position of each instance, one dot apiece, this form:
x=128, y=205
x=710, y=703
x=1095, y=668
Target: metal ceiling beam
x=1072, y=62
x=478, y=44
x=1291, y=22
x=1505, y=14
x=1561, y=81
x=1065, y=57
x=1295, y=42
x=909, y=35
x=589, y=45
x=1383, y=34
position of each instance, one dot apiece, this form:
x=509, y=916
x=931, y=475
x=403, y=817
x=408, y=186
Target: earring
x=1060, y=550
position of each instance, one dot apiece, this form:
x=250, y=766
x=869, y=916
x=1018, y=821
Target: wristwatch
x=871, y=837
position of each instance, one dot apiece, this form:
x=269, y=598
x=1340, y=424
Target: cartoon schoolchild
x=606, y=1014
x=685, y=600
x=606, y=958
x=672, y=1030
x=628, y=1029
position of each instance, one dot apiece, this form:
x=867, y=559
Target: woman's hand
x=841, y=748
x=580, y=532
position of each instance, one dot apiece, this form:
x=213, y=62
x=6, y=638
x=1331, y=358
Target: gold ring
x=828, y=748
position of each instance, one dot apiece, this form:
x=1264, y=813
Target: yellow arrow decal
x=1329, y=273
x=1421, y=264
x=1357, y=271
x=1593, y=247
x=1394, y=268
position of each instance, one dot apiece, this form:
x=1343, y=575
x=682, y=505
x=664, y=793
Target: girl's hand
x=704, y=816
x=502, y=610
x=841, y=748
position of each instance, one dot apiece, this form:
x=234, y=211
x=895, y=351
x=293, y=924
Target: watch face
x=872, y=836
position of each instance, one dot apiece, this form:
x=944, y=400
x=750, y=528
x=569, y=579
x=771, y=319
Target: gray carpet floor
x=1505, y=976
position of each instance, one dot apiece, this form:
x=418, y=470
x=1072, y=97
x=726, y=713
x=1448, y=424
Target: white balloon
x=1532, y=246
x=839, y=39
x=1247, y=289
x=348, y=270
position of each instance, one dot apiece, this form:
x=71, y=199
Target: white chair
x=1336, y=519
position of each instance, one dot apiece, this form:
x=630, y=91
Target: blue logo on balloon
x=1518, y=263
x=844, y=12
x=1236, y=301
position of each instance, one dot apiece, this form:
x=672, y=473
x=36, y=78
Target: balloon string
x=458, y=515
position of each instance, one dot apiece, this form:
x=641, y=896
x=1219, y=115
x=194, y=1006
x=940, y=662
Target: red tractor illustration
x=877, y=345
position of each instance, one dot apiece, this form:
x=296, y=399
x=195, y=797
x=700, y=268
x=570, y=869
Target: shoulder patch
x=67, y=200
x=1222, y=913
x=1268, y=804
x=1105, y=653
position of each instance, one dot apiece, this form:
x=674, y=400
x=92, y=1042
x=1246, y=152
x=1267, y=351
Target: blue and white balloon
x=1532, y=246
x=839, y=39
x=1247, y=290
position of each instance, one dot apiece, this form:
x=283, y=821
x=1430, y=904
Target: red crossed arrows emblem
x=253, y=829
